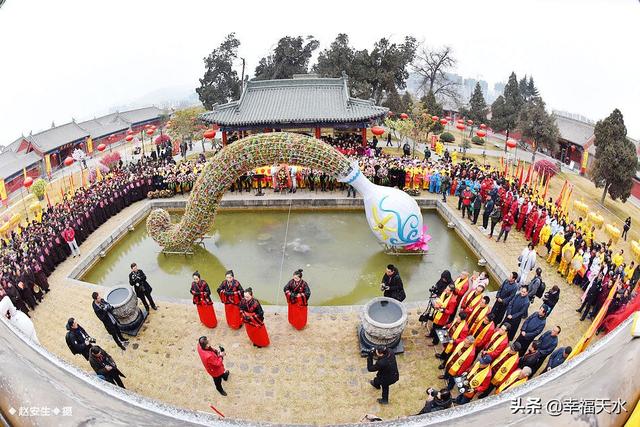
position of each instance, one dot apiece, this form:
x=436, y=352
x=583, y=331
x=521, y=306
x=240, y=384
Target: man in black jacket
x=392, y=284
x=436, y=401
x=386, y=368
x=504, y=296
x=103, y=310
x=138, y=280
x=105, y=367
x=78, y=339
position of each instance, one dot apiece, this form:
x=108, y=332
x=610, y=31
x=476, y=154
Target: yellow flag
x=98, y=174
x=24, y=173
x=47, y=164
x=89, y=145
x=3, y=190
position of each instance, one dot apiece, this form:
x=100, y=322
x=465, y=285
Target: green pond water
x=342, y=261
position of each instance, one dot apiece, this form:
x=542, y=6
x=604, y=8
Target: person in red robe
x=542, y=219
x=230, y=291
x=202, y=299
x=297, y=293
x=523, y=215
x=253, y=318
x=531, y=221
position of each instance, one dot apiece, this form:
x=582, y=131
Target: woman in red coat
x=297, y=293
x=202, y=299
x=253, y=317
x=230, y=291
x=213, y=361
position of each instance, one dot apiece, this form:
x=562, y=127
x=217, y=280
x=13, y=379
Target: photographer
x=78, y=339
x=386, y=368
x=436, y=401
x=213, y=361
x=103, y=310
x=392, y=284
x=138, y=280
x=104, y=366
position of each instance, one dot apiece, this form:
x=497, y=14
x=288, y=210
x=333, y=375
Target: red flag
x=527, y=180
x=521, y=176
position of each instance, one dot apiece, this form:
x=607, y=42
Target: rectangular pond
x=342, y=261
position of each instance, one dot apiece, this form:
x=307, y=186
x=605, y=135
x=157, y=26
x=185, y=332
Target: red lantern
x=209, y=133
x=443, y=121
x=130, y=132
x=460, y=126
x=377, y=130
x=483, y=126
x=68, y=161
x=129, y=138
x=150, y=132
x=460, y=121
x=435, y=118
x=101, y=147
x=511, y=143
x=404, y=116
x=28, y=182
x=448, y=118
x=470, y=122
x=481, y=133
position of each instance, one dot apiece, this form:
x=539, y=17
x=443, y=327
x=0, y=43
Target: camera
x=221, y=348
x=432, y=392
x=92, y=340
x=433, y=291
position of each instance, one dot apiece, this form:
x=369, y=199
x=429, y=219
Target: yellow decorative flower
x=381, y=224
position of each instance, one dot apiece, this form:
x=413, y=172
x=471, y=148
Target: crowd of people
x=486, y=347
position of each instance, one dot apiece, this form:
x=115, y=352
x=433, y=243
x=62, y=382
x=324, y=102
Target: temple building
x=28, y=153
x=305, y=103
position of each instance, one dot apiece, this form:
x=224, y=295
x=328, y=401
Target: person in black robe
x=138, y=280
x=27, y=295
x=103, y=311
x=16, y=298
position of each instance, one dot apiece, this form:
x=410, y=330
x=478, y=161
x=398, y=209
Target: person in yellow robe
x=618, y=258
x=568, y=251
x=588, y=236
x=556, y=243
x=575, y=266
x=545, y=233
x=628, y=271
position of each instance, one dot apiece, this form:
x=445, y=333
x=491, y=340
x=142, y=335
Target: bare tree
x=431, y=64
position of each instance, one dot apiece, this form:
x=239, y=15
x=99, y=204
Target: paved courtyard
x=310, y=376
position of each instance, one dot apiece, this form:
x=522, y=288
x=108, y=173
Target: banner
x=585, y=162
x=47, y=165
x=3, y=192
x=89, y=145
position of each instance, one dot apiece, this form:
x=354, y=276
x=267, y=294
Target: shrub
x=447, y=137
x=110, y=159
x=477, y=140
x=38, y=188
x=545, y=167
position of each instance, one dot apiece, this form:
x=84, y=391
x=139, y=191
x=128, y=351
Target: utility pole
x=242, y=81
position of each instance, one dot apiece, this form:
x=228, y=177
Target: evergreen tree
x=394, y=103
x=291, y=56
x=477, y=106
x=522, y=88
x=538, y=126
x=506, y=109
x=431, y=104
x=407, y=102
x=616, y=160
x=220, y=83
x=532, y=91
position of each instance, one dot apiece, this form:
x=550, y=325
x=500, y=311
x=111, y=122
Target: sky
x=77, y=59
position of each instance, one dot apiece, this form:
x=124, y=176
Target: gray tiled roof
x=12, y=163
x=294, y=101
x=141, y=114
x=572, y=130
x=99, y=127
x=53, y=138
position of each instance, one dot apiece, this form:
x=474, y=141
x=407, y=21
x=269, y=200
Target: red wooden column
x=318, y=132
x=224, y=138
x=364, y=137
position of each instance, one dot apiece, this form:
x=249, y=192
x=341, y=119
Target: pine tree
x=532, y=90
x=506, y=109
x=616, y=160
x=407, y=102
x=431, y=104
x=538, y=126
x=522, y=87
x=477, y=106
